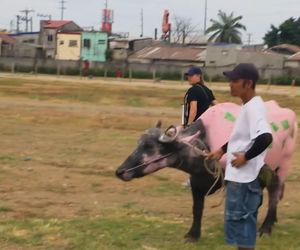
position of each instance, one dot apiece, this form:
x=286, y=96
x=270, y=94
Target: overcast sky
x=258, y=15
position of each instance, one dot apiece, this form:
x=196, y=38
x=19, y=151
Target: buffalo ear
x=158, y=124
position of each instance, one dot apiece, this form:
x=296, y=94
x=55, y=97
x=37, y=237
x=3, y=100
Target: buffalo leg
x=198, y=203
x=275, y=193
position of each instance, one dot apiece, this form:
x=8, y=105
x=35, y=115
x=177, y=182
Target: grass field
x=63, y=138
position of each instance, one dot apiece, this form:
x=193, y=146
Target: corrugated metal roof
x=288, y=47
x=55, y=24
x=170, y=53
x=7, y=39
x=295, y=57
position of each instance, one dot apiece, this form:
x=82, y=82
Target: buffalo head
x=175, y=147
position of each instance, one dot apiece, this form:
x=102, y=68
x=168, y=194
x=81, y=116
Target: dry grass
x=62, y=139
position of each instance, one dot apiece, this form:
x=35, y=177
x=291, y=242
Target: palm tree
x=226, y=30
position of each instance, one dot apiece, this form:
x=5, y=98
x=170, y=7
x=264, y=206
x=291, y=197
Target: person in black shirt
x=198, y=98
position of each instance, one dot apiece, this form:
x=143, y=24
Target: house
x=293, y=61
x=168, y=58
x=285, y=49
x=7, y=45
x=123, y=47
x=48, y=34
x=27, y=44
x=119, y=48
x=68, y=46
x=222, y=57
x=139, y=43
x=94, y=45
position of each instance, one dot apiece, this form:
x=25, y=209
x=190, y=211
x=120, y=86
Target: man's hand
x=217, y=155
x=239, y=160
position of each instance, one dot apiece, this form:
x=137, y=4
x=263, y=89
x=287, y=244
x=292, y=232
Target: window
x=86, y=43
x=61, y=42
x=101, y=41
x=29, y=41
x=50, y=38
x=73, y=43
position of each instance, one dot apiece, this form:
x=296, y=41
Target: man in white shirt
x=246, y=150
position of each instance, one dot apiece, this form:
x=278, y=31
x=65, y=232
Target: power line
x=26, y=18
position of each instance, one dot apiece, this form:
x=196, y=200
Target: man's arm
x=217, y=155
x=192, y=111
x=260, y=144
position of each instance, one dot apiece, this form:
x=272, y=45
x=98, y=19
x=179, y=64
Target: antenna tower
x=62, y=8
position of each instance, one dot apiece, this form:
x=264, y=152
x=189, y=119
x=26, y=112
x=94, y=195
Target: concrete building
x=138, y=44
x=48, y=34
x=94, y=45
x=7, y=45
x=122, y=47
x=119, y=48
x=293, y=61
x=27, y=44
x=68, y=46
x=220, y=58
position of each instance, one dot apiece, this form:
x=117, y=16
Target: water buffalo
x=184, y=149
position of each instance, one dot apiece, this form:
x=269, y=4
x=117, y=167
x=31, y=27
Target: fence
x=155, y=70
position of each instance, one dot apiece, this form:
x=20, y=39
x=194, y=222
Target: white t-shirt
x=251, y=122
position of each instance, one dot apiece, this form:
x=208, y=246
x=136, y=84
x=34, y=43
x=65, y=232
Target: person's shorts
x=241, y=205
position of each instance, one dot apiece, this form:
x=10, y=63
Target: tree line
x=227, y=28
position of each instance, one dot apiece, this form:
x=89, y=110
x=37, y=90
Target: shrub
x=72, y=71
x=24, y=69
x=46, y=70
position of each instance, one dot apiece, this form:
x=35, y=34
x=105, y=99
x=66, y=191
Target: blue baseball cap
x=194, y=71
x=246, y=71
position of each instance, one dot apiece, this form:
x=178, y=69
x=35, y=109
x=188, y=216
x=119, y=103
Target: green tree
x=226, y=29
x=287, y=32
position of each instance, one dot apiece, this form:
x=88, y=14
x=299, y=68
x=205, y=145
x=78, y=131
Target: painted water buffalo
x=184, y=149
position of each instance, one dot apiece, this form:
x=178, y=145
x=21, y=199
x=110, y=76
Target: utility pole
x=31, y=24
x=249, y=38
x=62, y=8
x=205, y=17
x=18, y=23
x=11, y=26
x=142, y=23
x=26, y=19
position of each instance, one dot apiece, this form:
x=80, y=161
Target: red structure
x=107, y=20
x=166, y=26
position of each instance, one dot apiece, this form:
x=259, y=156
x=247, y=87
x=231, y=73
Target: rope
x=217, y=172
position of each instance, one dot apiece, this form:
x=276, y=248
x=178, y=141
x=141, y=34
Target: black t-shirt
x=204, y=97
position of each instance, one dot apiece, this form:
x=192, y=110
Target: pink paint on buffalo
x=219, y=121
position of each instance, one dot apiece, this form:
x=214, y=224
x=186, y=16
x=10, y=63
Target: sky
x=258, y=15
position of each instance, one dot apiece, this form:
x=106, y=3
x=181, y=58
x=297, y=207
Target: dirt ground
x=58, y=156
